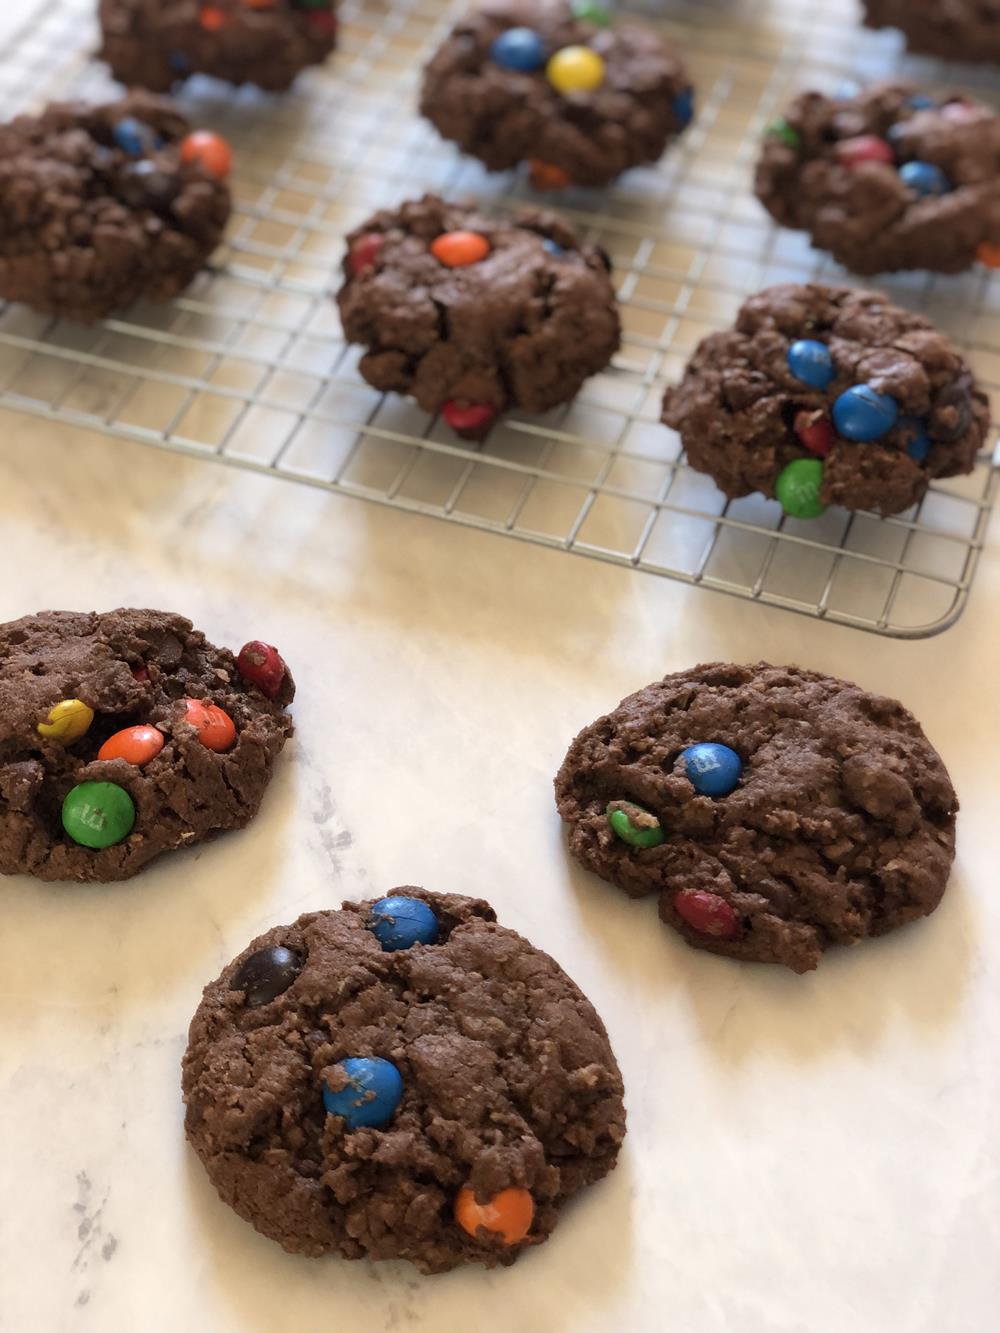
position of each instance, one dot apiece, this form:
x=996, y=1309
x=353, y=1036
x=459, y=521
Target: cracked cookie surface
x=87, y=227
x=841, y=825
x=508, y=1083
x=523, y=326
x=746, y=415
x=891, y=178
x=128, y=668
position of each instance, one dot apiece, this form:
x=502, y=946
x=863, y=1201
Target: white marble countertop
x=805, y=1154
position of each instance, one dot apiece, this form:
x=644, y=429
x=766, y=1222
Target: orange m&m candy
x=508, y=1215
x=215, y=727
x=547, y=176
x=212, y=18
x=989, y=255
x=136, y=745
x=208, y=149
x=459, y=249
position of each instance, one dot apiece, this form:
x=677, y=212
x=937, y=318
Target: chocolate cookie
x=156, y=43
x=401, y=1080
x=127, y=734
x=828, y=395
x=956, y=30
x=101, y=205
x=471, y=316
x=556, y=84
x=890, y=178
x=775, y=811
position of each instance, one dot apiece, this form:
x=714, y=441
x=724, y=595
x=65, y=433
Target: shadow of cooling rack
x=249, y=368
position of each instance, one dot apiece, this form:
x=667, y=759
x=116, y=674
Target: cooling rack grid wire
x=249, y=367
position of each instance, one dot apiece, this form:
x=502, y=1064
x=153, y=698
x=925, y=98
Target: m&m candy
x=459, y=249
x=575, y=69
x=473, y=419
x=261, y=664
x=920, y=102
x=67, y=721
x=134, y=138
x=98, y=814
x=545, y=176
x=863, y=414
x=209, y=150
x=507, y=1215
x=864, y=148
x=634, y=825
x=916, y=438
x=373, y=1090
x=399, y=922
x=553, y=248
x=989, y=254
x=798, y=487
x=924, y=178
x=266, y=974
x=519, y=48
x=683, y=107
x=587, y=12
x=211, y=18
x=814, y=430
x=712, y=769
x=811, y=363
x=140, y=673
x=144, y=184
x=136, y=745
x=365, y=251
x=215, y=727
x=960, y=113
x=780, y=129
x=707, y=913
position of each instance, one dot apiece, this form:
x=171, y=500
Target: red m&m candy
x=141, y=672
x=459, y=249
x=815, y=431
x=365, y=251
x=707, y=913
x=260, y=664
x=211, y=18
x=473, y=421
x=215, y=727
x=508, y=1215
x=864, y=148
x=136, y=745
x=208, y=149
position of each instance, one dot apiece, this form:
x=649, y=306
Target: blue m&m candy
x=400, y=922
x=924, y=178
x=519, y=48
x=684, y=108
x=135, y=138
x=846, y=89
x=373, y=1090
x=921, y=102
x=712, y=769
x=553, y=247
x=918, y=441
x=811, y=362
x=863, y=414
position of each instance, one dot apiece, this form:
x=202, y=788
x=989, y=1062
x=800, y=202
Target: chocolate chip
x=951, y=415
x=266, y=974
x=144, y=184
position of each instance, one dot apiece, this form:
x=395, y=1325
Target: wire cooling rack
x=249, y=367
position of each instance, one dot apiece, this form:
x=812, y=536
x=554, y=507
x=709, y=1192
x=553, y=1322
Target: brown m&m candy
x=266, y=974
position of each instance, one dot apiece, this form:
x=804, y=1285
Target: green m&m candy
x=634, y=825
x=781, y=129
x=98, y=814
x=798, y=488
x=589, y=13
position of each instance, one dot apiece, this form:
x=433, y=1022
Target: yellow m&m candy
x=575, y=69
x=67, y=721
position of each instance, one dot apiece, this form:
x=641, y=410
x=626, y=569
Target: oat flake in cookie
x=471, y=315
x=436, y=1099
x=891, y=178
x=773, y=811
x=828, y=395
x=948, y=29
x=157, y=43
x=125, y=735
x=559, y=85
x=101, y=205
